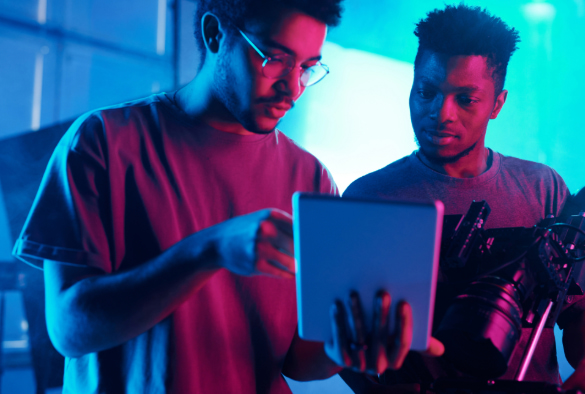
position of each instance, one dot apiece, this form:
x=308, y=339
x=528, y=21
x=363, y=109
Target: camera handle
x=532, y=342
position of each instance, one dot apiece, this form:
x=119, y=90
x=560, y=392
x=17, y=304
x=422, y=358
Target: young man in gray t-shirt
x=459, y=76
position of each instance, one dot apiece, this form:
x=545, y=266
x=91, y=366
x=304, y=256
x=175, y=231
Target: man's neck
x=196, y=99
x=472, y=165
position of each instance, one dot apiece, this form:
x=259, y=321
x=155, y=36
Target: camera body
x=506, y=278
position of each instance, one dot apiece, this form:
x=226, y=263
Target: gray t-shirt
x=519, y=193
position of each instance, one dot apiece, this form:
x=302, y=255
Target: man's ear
x=212, y=32
x=500, y=100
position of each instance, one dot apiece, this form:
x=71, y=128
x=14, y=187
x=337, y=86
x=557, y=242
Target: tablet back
x=344, y=244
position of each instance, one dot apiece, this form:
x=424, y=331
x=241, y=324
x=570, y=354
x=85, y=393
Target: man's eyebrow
x=427, y=81
x=285, y=49
x=464, y=88
x=470, y=88
x=274, y=44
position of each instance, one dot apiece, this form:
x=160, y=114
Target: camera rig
x=506, y=279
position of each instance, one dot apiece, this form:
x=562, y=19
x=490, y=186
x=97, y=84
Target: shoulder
x=382, y=181
x=92, y=130
x=529, y=170
x=537, y=182
x=124, y=115
x=302, y=159
x=293, y=151
x=284, y=142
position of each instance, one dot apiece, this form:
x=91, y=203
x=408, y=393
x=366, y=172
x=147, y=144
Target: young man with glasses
x=163, y=225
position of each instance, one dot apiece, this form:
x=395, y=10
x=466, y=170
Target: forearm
x=308, y=361
x=574, y=340
x=101, y=311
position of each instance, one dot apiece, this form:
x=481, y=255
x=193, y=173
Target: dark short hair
x=239, y=11
x=461, y=30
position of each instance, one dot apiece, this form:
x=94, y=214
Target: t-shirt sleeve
x=574, y=305
x=327, y=185
x=68, y=220
x=562, y=193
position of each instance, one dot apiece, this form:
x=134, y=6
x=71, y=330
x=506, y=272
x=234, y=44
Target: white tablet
x=344, y=244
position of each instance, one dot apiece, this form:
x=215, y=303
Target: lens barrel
x=482, y=327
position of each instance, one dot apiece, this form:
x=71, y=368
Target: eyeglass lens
x=279, y=66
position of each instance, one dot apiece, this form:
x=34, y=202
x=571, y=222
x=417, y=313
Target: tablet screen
x=344, y=244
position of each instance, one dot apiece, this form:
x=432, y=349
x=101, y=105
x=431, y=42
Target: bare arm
x=574, y=345
x=574, y=340
x=88, y=310
x=308, y=361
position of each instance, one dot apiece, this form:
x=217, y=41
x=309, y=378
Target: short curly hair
x=461, y=30
x=238, y=11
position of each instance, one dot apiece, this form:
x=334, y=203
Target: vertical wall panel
x=130, y=23
x=188, y=53
x=25, y=59
x=96, y=78
x=6, y=241
x=59, y=59
x=21, y=9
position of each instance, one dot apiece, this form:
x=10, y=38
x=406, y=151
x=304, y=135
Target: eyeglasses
x=279, y=65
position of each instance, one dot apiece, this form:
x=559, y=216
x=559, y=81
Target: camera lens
x=481, y=327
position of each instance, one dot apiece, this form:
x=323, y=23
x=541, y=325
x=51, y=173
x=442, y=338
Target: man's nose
x=443, y=110
x=292, y=83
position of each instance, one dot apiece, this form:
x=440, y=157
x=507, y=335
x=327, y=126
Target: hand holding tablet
x=377, y=350
x=346, y=249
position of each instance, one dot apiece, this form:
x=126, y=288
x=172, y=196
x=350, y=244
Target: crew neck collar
x=490, y=173
x=185, y=119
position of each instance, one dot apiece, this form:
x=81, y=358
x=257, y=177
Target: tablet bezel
x=321, y=236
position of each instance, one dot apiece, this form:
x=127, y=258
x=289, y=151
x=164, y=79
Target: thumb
x=436, y=348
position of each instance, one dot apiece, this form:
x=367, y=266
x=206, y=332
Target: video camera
x=507, y=278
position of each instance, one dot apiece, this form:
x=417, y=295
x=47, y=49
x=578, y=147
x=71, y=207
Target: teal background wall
x=60, y=58
x=542, y=119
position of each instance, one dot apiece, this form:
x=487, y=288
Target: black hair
x=464, y=31
x=238, y=11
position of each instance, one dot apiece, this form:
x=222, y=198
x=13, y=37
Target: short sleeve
x=574, y=306
x=68, y=220
x=327, y=185
x=562, y=194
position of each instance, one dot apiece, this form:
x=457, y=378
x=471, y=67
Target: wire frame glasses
x=279, y=65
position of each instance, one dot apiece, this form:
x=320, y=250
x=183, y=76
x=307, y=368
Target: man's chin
x=258, y=126
x=264, y=125
x=261, y=131
x=442, y=157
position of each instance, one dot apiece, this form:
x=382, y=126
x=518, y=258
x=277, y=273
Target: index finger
x=281, y=215
x=279, y=235
x=377, y=360
x=403, y=336
x=358, y=331
x=282, y=220
x=338, y=347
